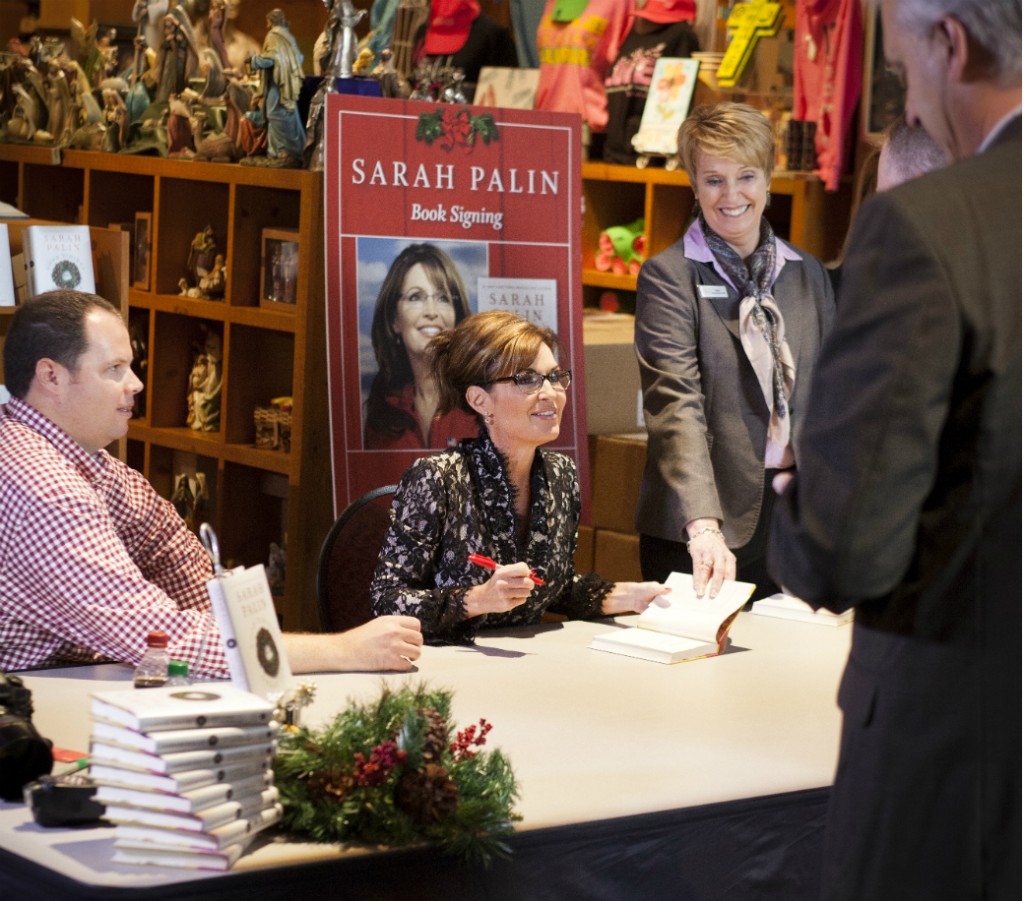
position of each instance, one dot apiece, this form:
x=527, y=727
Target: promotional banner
x=459, y=209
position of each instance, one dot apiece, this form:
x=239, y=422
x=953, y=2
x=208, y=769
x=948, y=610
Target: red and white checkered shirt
x=92, y=558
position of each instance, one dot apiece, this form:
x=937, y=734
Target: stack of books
x=184, y=773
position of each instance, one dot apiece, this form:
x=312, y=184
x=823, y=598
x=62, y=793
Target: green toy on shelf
x=620, y=248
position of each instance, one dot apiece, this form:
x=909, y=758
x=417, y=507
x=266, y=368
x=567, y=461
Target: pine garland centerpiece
x=396, y=772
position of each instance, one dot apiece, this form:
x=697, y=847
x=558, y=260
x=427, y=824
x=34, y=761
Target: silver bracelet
x=707, y=530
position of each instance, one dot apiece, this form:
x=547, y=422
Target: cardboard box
x=615, y=481
x=617, y=556
x=614, y=403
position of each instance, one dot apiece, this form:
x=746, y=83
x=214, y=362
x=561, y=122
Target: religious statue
x=201, y=253
x=177, y=57
x=204, y=386
x=280, y=66
x=212, y=284
x=150, y=15
x=339, y=43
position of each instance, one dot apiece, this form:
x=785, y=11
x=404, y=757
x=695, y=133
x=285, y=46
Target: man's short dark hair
x=52, y=326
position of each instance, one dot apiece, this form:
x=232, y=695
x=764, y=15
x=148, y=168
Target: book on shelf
x=212, y=839
x=115, y=755
x=686, y=628
x=247, y=620
x=667, y=105
x=182, y=739
x=192, y=801
x=7, y=295
x=58, y=257
x=175, y=783
x=784, y=606
x=196, y=821
x=181, y=707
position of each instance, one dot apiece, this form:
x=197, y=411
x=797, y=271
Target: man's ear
x=957, y=45
x=50, y=375
x=478, y=399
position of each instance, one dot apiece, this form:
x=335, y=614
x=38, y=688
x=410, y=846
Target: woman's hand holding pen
x=508, y=587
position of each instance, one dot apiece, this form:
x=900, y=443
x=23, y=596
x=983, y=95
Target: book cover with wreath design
x=58, y=257
x=244, y=609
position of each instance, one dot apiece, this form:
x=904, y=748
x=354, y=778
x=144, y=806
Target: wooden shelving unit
x=257, y=496
x=615, y=195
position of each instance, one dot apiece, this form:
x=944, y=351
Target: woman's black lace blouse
x=460, y=502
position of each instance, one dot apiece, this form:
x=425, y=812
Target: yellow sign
x=747, y=23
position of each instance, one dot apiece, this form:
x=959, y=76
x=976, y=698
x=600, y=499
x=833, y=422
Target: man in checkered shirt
x=91, y=558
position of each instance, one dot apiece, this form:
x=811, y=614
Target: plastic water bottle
x=177, y=673
x=152, y=669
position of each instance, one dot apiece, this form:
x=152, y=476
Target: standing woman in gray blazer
x=729, y=322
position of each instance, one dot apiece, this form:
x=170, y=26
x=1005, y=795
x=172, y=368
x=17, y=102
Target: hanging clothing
x=629, y=83
x=575, y=58
x=827, y=65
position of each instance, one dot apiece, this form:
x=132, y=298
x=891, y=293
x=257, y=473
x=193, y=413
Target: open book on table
x=686, y=629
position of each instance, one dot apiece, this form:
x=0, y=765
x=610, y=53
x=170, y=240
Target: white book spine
x=232, y=654
x=221, y=837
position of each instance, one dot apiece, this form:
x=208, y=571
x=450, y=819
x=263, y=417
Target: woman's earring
x=489, y=418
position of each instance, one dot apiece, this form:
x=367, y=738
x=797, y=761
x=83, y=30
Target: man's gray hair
x=994, y=25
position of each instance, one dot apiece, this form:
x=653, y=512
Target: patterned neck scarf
x=761, y=325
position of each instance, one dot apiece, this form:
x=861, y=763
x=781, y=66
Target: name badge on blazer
x=712, y=292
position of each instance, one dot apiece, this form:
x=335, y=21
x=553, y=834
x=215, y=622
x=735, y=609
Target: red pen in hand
x=488, y=563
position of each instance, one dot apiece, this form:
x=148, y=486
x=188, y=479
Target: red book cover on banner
x=482, y=206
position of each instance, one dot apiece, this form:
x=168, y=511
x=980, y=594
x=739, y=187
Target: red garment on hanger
x=827, y=69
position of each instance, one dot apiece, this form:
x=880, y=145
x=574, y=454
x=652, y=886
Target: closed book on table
x=176, y=783
x=182, y=739
x=129, y=851
x=217, y=838
x=200, y=821
x=193, y=801
x=180, y=707
x=113, y=754
x=784, y=606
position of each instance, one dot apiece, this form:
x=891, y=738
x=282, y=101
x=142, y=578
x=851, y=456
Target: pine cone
x=428, y=795
x=436, y=736
x=329, y=783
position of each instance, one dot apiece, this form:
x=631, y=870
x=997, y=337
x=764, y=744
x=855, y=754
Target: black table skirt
x=759, y=848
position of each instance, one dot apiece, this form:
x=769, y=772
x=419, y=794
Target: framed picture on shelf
x=279, y=266
x=143, y=239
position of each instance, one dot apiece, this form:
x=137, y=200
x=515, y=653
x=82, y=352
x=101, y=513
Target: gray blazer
x=707, y=419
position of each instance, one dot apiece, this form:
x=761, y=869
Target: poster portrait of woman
x=422, y=294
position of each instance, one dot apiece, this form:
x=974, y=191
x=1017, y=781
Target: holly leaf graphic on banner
x=455, y=128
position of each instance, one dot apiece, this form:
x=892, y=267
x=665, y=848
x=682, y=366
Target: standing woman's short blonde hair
x=732, y=131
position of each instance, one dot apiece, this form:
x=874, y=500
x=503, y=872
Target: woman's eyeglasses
x=530, y=382
x=418, y=297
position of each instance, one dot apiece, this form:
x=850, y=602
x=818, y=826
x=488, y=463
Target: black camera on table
x=24, y=753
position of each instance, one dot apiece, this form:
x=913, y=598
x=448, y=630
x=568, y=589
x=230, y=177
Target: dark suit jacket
x=907, y=504
x=707, y=419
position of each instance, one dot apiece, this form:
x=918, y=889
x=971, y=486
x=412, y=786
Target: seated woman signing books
x=484, y=533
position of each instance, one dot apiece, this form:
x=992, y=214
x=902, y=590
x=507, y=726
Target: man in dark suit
x=907, y=502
